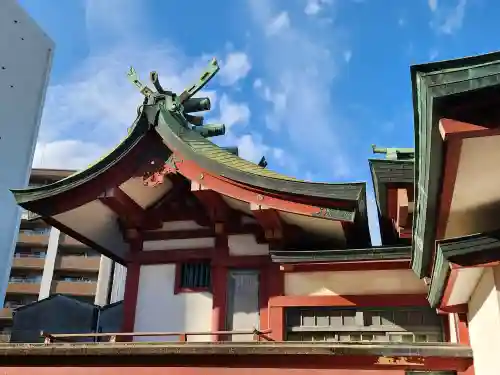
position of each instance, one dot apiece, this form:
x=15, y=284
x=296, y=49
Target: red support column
x=131, y=290
x=275, y=314
x=219, y=286
x=463, y=329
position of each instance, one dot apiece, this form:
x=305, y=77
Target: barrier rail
x=50, y=338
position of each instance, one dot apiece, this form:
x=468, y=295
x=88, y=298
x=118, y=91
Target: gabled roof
x=53, y=298
x=388, y=173
x=162, y=138
x=435, y=86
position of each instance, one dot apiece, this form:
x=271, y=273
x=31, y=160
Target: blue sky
x=310, y=84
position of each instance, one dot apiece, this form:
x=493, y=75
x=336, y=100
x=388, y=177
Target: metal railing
x=25, y=280
x=50, y=338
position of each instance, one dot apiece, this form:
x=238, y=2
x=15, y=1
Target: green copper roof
x=432, y=84
x=168, y=115
x=138, y=130
x=467, y=251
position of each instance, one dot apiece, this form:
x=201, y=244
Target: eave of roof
x=344, y=255
x=479, y=249
x=431, y=83
x=25, y=197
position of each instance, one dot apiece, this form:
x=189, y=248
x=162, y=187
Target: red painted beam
x=281, y=202
x=270, y=221
x=216, y=208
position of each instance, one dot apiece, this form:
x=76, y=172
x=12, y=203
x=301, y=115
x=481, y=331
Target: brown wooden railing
x=50, y=338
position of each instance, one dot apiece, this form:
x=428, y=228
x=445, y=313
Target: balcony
x=26, y=287
x=28, y=262
x=29, y=237
x=76, y=288
x=78, y=263
x=66, y=240
x=6, y=313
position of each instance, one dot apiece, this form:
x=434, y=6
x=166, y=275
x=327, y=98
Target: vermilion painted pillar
x=131, y=289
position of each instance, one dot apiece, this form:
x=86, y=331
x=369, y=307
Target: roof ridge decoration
x=186, y=104
x=395, y=153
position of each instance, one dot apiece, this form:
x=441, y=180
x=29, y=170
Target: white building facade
x=25, y=63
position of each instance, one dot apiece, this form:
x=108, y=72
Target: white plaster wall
x=160, y=310
x=484, y=323
x=25, y=62
x=475, y=194
x=245, y=245
x=353, y=282
x=188, y=243
x=180, y=225
x=452, y=320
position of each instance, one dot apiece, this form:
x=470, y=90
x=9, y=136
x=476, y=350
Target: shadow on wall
x=63, y=314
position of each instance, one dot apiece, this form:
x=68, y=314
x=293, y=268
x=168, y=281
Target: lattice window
x=195, y=275
x=372, y=325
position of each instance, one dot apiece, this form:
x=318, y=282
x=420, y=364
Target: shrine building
x=233, y=268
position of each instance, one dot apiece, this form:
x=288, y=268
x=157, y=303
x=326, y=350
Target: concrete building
x=25, y=63
x=48, y=262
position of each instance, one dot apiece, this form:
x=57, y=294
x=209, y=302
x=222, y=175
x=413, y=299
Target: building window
x=192, y=277
x=406, y=325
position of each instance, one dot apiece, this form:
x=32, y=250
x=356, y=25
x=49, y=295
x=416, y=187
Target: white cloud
x=251, y=147
x=89, y=112
x=277, y=24
x=448, y=19
x=347, y=56
x=234, y=67
x=66, y=154
x=257, y=83
x=313, y=7
x=232, y=113
x=278, y=154
x=433, y=4
x=300, y=67
x=433, y=54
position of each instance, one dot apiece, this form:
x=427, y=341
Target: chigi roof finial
x=395, y=153
x=181, y=106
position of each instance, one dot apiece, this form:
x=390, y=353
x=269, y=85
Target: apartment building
x=48, y=262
